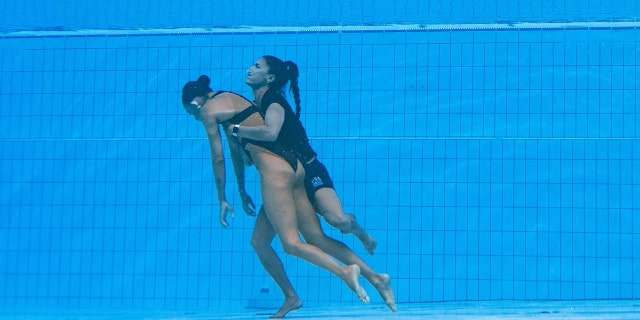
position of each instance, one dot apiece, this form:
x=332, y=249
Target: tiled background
x=489, y=164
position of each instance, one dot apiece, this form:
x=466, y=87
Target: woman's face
x=258, y=75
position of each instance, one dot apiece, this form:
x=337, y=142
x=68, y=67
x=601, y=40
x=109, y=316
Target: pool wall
x=489, y=164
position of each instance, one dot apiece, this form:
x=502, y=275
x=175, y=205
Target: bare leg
x=328, y=205
x=261, y=239
x=276, y=180
x=311, y=230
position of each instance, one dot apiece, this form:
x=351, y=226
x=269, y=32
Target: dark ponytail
x=293, y=84
x=193, y=89
x=285, y=72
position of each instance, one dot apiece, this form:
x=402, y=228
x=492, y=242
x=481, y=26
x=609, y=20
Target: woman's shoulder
x=227, y=94
x=231, y=98
x=272, y=97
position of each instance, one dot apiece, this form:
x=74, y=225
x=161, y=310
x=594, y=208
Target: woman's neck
x=258, y=93
x=204, y=109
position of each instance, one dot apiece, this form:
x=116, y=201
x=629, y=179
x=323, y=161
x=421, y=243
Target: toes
x=371, y=245
x=362, y=295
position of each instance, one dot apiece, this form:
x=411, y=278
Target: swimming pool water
x=168, y=14
x=498, y=162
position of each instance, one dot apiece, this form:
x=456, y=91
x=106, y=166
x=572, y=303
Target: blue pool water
x=492, y=149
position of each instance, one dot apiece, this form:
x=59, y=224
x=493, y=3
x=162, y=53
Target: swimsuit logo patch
x=316, y=182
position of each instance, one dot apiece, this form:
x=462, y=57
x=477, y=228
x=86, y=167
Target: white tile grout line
x=586, y=25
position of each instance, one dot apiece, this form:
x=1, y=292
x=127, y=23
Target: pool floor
x=583, y=309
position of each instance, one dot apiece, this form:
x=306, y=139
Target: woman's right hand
x=225, y=208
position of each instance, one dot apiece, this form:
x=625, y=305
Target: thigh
x=308, y=222
x=309, y=226
x=316, y=178
x=327, y=203
x=263, y=232
x=277, y=180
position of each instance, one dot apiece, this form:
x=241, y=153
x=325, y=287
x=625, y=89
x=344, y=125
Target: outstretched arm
x=217, y=160
x=239, y=162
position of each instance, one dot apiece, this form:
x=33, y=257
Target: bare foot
x=353, y=272
x=289, y=305
x=369, y=243
x=384, y=289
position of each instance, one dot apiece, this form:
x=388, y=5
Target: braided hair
x=193, y=89
x=286, y=71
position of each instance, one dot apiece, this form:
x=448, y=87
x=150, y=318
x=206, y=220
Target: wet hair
x=193, y=89
x=286, y=71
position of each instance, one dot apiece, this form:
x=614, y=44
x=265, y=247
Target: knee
x=314, y=238
x=258, y=244
x=342, y=222
x=254, y=244
x=292, y=248
x=334, y=218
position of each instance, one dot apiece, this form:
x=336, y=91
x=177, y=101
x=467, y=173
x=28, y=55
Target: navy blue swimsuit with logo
x=294, y=138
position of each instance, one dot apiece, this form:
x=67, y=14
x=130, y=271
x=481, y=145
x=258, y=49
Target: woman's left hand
x=247, y=204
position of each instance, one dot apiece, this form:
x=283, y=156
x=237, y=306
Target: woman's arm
x=217, y=160
x=239, y=162
x=273, y=120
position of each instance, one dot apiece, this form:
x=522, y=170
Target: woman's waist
x=261, y=152
x=302, y=151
